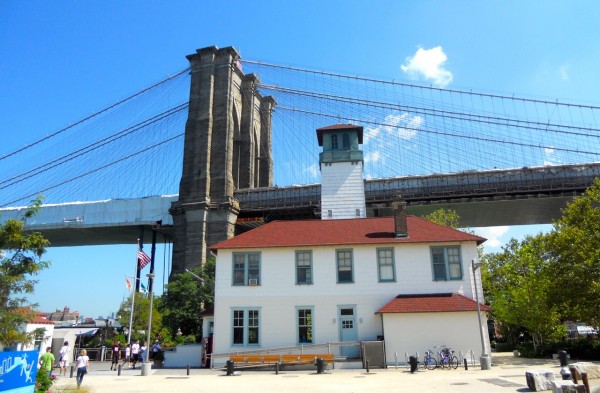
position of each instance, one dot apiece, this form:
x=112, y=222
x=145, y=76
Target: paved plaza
x=507, y=375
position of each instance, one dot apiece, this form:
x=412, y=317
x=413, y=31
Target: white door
x=347, y=323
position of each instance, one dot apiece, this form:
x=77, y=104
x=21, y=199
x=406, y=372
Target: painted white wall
x=342, y=190
x=417, y=332
x=278, y=296
x=184, y=355
x=47, y=342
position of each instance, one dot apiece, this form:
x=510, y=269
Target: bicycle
x=429, y=361
x=447, y=358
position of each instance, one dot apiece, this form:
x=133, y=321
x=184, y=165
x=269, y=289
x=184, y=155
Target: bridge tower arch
x=227, y=146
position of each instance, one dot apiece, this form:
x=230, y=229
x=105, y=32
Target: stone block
x=539, y=380
x=592, y=369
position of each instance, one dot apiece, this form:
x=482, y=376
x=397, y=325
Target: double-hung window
x=385, y=265
x=246, y=327
x=303, y=267
x=344, y=266
x=345, y=142
x=334, y=142
x=304, y=317
x=246, y=268
x=446, y=263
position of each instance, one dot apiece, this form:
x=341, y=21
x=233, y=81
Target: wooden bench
x=255, y=359
x=307, y=359
x=258, y=360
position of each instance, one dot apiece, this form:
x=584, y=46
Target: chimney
x=400, y=226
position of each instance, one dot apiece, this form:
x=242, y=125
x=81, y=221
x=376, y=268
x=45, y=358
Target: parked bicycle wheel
x=454, y=362
x=445, y=362
x=431, y=363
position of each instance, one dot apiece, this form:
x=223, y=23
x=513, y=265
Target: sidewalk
x=507, y=375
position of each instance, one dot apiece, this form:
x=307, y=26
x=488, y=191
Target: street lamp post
x=485, y=361
x=151, y=277
x=146, y=365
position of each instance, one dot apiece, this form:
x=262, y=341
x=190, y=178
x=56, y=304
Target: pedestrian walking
x=82, y=364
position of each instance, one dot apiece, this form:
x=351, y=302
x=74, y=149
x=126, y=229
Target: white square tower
x=341, y=162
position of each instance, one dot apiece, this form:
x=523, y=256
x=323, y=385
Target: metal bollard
x=414, y=364
x=188, y=369
x=466, y=364
x=72, y=369
x=229, y=368
x=277, y=364
x=562, y=356
x=321, y=366
x=119, y=369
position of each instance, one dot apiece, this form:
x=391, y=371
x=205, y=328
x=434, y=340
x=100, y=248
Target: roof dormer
x=340, y=143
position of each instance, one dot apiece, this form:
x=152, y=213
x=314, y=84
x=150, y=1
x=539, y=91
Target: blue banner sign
x=17, y=371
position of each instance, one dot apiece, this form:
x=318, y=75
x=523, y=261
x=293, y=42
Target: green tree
x=575, y=245
x=449, y=218
x=139, y=327
x=518, y=284
x=186, y=296
x=20, y=259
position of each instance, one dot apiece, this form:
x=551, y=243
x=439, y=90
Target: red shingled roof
x=437, y=302
x=40, y=320
x=358, y=231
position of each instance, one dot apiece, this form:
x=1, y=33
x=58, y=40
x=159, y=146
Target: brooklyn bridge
x=230, y=143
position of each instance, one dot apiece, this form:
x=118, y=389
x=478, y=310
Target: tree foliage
x=449, y=217
x=518, y=284
x=139, y=326
x=186, y=296
x=20, y=259
x=575, y=246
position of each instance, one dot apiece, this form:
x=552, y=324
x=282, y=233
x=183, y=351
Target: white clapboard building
x=346, y=277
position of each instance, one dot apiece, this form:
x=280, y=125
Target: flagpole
x=133, y=297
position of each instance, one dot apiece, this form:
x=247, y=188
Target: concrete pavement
x=507, y=375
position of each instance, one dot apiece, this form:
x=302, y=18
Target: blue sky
x=63, y=60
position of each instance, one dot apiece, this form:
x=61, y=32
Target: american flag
x=128, y=283
x=143, y=259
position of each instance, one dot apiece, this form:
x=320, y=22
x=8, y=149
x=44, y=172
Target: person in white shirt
x=64, y=359
x=135, y=352
x=127, y=358
x=82, y=365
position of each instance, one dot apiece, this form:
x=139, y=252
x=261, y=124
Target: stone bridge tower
x=227, y=146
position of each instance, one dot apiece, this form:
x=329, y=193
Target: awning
x=87, y=332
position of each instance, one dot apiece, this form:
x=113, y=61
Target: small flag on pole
x=143, y=288
x=128, y=283
x=143, y=259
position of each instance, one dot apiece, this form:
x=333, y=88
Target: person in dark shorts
x=135, y=353
x=116, y=355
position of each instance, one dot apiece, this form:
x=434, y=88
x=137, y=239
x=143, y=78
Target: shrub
x=43, y=382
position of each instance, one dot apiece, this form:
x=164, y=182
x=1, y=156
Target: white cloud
x=428, y=64
x=312, y=170
x=550, y=157
x=403, y=126
x=371, y=133
x=493, y=234
x=564, y=72
x=373, y=156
